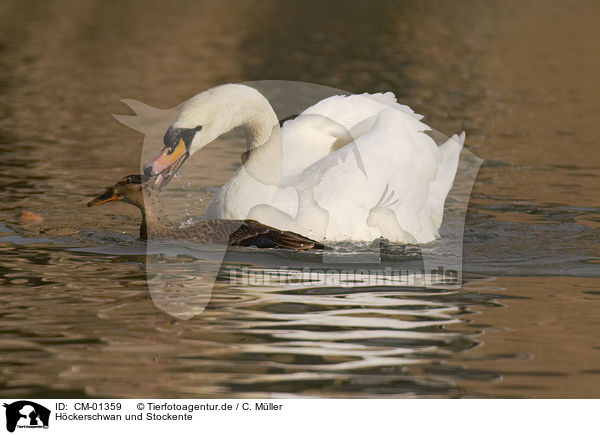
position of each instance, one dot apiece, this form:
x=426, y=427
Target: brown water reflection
x=521, y=79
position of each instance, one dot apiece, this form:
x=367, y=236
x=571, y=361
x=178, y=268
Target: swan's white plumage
x=352, y=168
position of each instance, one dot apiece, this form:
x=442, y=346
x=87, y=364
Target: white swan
x=348, y=168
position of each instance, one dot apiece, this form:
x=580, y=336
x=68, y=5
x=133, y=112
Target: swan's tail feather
x=447, y=167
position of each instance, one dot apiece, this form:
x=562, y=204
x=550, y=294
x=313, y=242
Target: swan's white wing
x=350, y=110
x=331, y=124
x=397, y=155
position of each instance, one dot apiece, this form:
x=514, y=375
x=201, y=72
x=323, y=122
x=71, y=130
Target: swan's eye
x=198, y=128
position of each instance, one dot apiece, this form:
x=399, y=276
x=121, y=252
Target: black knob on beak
x=148, y=171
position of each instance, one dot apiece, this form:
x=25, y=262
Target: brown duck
x=219, y=231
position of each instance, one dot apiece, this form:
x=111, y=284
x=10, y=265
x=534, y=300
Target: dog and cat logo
x=25, y=414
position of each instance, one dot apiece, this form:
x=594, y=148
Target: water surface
x=76, y=316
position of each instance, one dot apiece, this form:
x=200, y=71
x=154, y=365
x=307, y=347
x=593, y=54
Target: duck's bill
x=166, y=164
x=107, y=196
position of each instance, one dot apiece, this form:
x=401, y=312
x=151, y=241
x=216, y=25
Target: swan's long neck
x=251, y=111
x=258, y=120
x=226, y=107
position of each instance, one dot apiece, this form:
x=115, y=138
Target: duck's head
x=205, y=117
x=128, y=189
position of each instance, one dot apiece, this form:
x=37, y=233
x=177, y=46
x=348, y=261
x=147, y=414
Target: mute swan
x=352, y=167
x=231, y=232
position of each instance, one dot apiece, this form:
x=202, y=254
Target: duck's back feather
x=253, y=233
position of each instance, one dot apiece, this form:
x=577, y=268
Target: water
x=77, y=317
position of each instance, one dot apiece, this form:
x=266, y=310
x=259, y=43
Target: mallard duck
x=325, y=172
x=131, y=190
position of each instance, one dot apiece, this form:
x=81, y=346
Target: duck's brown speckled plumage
x=231, y=232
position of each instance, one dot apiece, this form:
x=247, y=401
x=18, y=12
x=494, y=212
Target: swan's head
x=204, y=118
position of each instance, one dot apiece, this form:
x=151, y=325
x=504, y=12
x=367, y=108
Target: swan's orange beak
x=166, y=164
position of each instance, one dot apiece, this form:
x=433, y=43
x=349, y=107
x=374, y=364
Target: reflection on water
x=77, y=318
x=292, y=339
